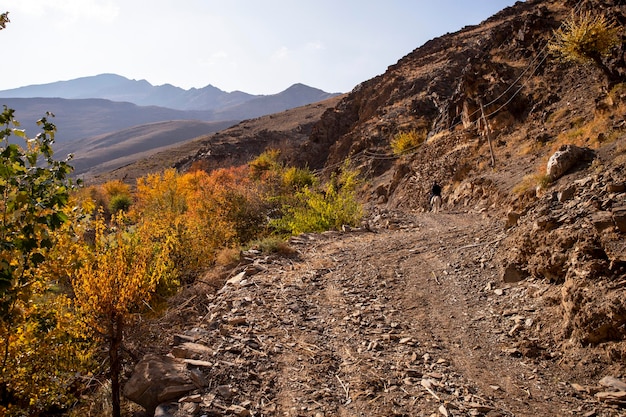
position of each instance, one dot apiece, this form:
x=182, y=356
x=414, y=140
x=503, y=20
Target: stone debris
x=611, y=382
x=156, y=380
x=573, y=237
x=325, y=338
x=615, y=395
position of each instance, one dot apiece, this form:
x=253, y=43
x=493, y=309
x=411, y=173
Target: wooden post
x=493, y=158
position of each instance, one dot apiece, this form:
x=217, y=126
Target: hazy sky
x=256, y=46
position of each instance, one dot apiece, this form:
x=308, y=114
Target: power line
x=531, y=68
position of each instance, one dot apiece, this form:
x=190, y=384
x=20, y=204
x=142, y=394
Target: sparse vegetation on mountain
x=406, y=142
x=587, y=37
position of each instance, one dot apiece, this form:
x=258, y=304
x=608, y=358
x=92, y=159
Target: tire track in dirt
x=407, y=327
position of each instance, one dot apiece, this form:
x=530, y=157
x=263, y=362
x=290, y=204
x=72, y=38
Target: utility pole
x=493, y=158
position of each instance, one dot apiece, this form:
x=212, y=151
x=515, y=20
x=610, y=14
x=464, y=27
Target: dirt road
x=410, y=319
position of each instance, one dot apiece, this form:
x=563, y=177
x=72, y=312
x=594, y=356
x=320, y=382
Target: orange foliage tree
x=200, y=212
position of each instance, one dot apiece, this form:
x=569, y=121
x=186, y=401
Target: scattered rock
x=158, y=379
x=166, y=410
x=612, y=382
x=602, y=221
x=512, y=218
x=612, y=397
x=616, y=187
x=236, y=280
x=189, y=350
x=619, y=217
x=566, y=194
x=566, y=158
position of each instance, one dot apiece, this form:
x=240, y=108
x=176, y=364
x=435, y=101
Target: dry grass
x=274, y=245
x=558, y=116
x=529, y=147
x=584, y=37
x=228, y=256
x=532, y=181
x=593, y=133
x=434, y=138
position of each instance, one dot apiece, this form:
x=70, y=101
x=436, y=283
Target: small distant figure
x=435, y=198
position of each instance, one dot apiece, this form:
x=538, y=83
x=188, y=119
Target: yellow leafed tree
x=118, y=277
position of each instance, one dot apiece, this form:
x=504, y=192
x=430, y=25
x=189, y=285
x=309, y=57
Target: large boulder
x=564, y=159
x=158, y=379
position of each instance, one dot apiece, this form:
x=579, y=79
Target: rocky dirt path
x=411, y=319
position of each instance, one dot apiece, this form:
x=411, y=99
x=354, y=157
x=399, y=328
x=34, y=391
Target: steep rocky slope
x=512, y=302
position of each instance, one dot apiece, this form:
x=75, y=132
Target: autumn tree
x=201, y=212
x=118, y=277
x=34, y=191
x=587, y=38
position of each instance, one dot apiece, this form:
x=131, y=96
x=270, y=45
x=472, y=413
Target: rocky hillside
x=288, y=131
x=512, y=302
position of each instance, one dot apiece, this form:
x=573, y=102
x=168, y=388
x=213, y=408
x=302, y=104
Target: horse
x=435, y=203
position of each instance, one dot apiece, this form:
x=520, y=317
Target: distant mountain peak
x=118, y=88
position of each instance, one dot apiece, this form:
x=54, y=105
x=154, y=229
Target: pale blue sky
x=256, y=46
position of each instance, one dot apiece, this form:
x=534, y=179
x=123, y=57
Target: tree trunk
x=116, y=335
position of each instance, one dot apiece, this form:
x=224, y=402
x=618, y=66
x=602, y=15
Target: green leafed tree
x=34, y=191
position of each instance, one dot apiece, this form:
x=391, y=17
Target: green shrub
x=271, y=245
x=297, y=178
x=120, y=202
x=406, y=142
x=329, y=208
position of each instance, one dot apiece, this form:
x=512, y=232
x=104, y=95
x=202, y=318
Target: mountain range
x=140, y=92
x=111, y=109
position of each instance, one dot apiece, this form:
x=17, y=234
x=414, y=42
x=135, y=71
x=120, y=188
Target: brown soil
x=408, y=318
